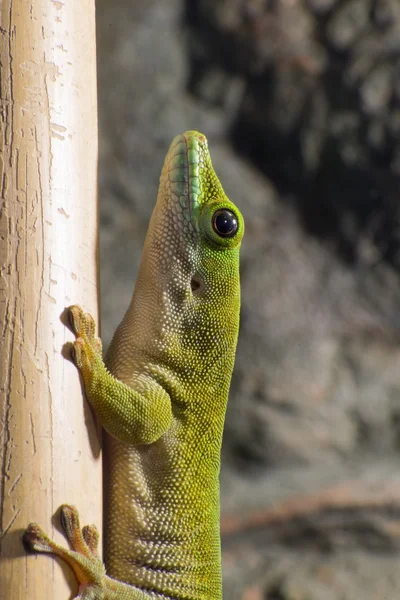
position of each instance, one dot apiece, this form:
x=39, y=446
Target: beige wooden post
x=49, y=443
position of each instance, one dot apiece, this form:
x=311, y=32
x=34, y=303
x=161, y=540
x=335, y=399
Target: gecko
x=161, y=395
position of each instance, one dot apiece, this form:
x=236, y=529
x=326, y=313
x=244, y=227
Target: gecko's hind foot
x=83, y=558
x=84, y=541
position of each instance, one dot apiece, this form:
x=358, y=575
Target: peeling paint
x=40, y=180
x=52, y=71
x=58, y=5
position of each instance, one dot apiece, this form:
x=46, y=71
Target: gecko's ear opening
x=196, y=284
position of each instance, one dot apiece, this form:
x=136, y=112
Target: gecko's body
x=163, y=398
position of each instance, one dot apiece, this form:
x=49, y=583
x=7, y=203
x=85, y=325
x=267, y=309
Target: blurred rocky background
x=300, y=101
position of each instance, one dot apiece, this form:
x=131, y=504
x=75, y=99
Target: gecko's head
x=195, y=199
x=192, y=255
x=195, y=231
x=193, y=211
x=188, y=285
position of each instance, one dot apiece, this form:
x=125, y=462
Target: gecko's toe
x=79, y=355
x=85, y=540
x=74, y=317
x=91, y=536
x=35, y=540
x=69, y=519
x=82, y=324
x=90, y=326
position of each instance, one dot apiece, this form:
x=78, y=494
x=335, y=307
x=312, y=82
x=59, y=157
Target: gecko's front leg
x=137, y=415
x=103, y=392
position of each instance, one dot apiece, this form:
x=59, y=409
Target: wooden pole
x=49, y=443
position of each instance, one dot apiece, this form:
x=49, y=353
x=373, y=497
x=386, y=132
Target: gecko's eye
x=222, y=224
x=225, y=223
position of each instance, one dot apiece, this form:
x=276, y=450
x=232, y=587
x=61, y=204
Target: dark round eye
x=225, y=223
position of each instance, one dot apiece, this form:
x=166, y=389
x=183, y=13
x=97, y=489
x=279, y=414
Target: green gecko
x=161, y=396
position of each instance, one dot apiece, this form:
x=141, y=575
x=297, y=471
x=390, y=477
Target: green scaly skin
x=161, y=395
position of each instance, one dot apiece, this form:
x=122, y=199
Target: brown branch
x=348, y=495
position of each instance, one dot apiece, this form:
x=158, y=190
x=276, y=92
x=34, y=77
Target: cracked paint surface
x=47, y=207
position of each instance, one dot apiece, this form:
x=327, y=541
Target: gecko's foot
x=84, y=541
x=87, y=348
x=83, y=558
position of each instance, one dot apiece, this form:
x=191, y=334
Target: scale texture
x=161, y=395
